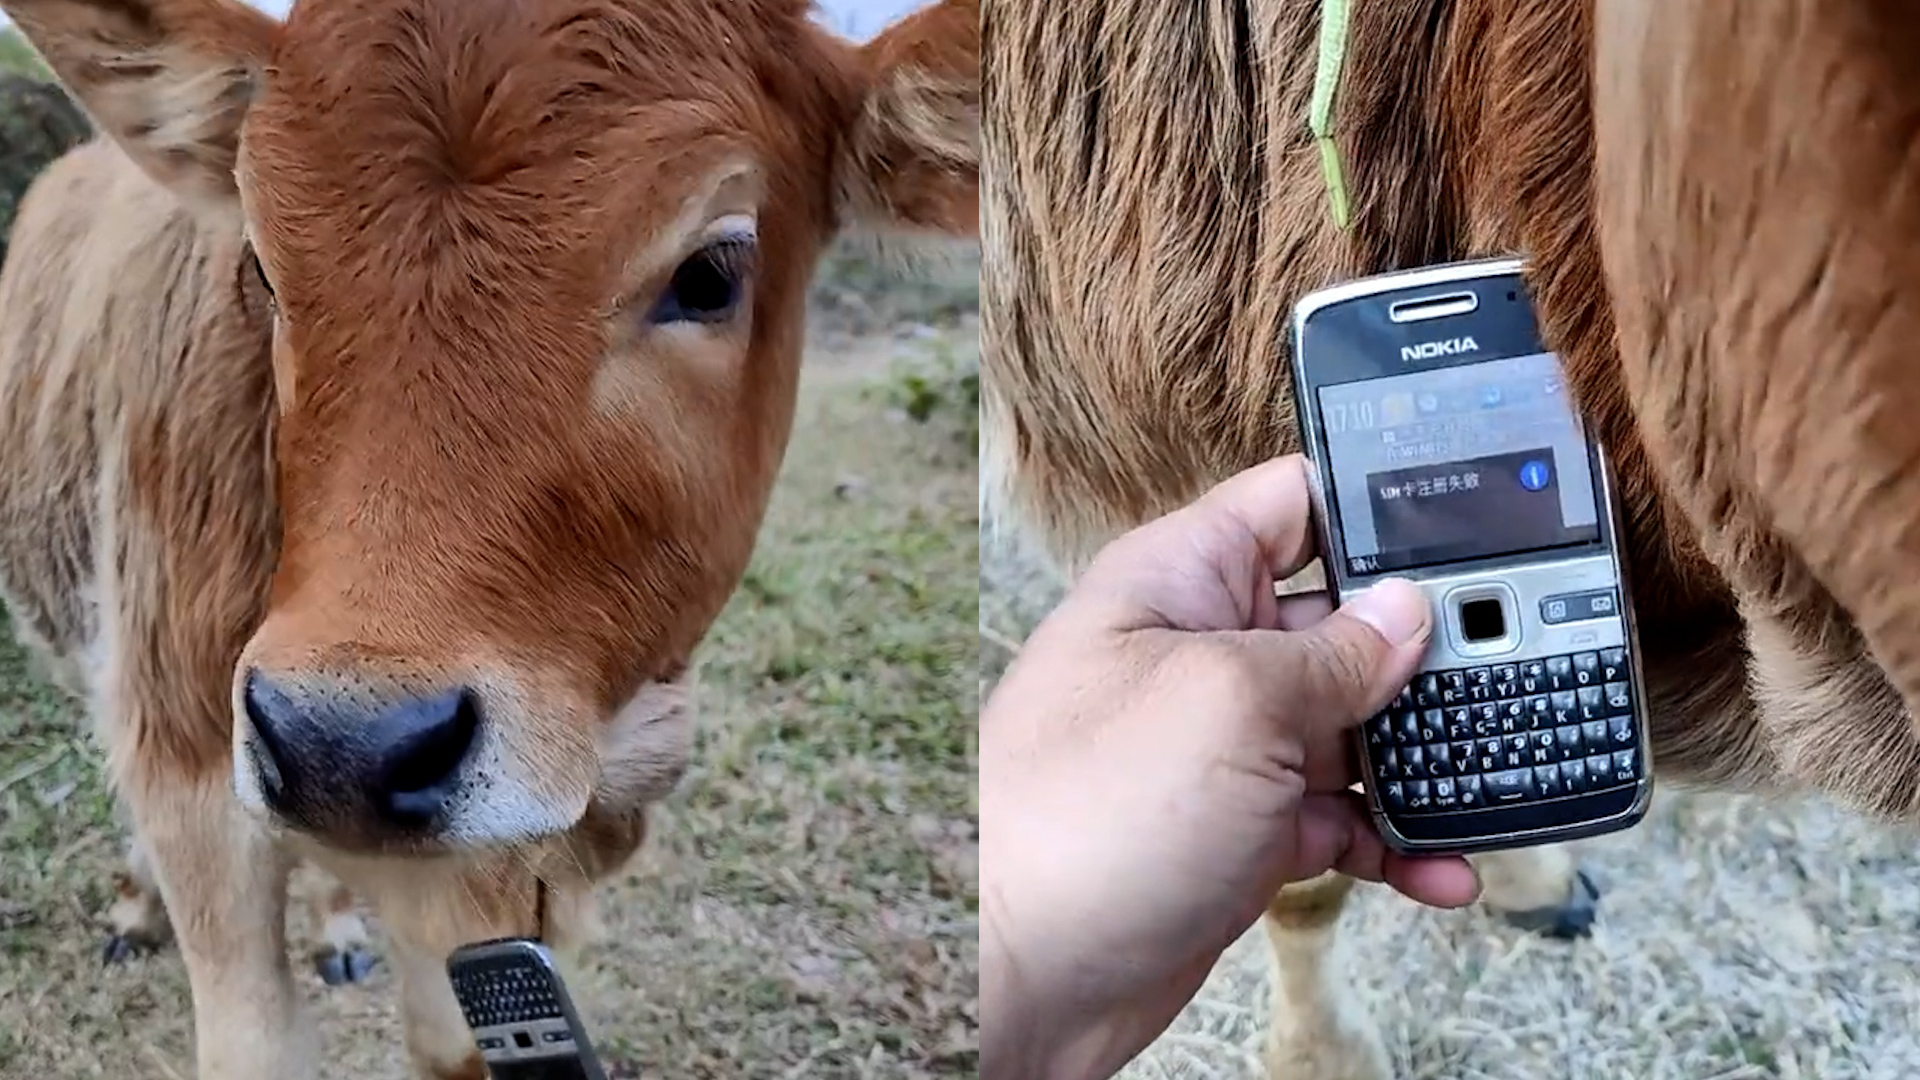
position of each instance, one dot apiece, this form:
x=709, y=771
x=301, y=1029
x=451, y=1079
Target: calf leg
x=344, y=954
x=138, y=915
x=225, y=887
x=1541, y=889
x=438, y=1041
x=1319, y=1030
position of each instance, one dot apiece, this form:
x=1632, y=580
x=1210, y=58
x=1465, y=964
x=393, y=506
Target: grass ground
x=806, y=905
x=1739, y=939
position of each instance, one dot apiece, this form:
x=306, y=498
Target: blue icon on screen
x=1534, y=475
x=1490, y=397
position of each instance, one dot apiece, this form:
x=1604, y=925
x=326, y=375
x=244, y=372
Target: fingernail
x=1395, y=607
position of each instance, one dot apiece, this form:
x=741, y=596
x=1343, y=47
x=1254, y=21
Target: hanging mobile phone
x=518, y=1009
x=1446, y=450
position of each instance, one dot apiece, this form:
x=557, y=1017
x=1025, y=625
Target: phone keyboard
x=505, y=991
x=1525, y=732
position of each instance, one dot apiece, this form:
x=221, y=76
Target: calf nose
x=388, y=767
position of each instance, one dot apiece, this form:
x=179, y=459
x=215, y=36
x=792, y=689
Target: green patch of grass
x=17, y=56
x=831, y=811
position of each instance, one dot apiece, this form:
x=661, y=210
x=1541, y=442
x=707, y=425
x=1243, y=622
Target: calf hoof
x=338, y=967
x=1573, y=919
x=121, y=948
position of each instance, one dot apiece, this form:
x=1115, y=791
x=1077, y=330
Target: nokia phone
x=1446, y=449
x=517, y=1006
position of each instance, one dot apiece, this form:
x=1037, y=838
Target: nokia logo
x=1427, y=350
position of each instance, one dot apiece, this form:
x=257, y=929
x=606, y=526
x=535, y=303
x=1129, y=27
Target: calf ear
x=914, y=153
x=168, y=80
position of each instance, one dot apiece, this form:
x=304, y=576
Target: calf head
x=536, y=276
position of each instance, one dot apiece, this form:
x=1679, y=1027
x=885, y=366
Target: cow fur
x=336, y=357
x=1716, y=201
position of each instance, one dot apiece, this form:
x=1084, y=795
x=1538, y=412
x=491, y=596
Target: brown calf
x=388, y=405
x=1732, y=310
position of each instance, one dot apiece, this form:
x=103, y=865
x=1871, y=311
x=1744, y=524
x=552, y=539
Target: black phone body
x=522, y=1018
x=1446, y=449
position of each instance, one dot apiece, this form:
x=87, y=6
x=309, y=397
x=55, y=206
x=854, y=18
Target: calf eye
x=708, y=287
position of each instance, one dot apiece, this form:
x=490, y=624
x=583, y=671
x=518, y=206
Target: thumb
x=1348, y=665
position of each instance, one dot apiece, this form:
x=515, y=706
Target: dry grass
x=807, y=905
x=1738, y=940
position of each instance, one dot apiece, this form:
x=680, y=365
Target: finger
x=1336, y=834
x=1210, y=565
x=1345, y=667
x=1272, y=503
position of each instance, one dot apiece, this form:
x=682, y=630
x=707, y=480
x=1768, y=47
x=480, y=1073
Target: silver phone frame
x=536, y=955
x=1306, y=411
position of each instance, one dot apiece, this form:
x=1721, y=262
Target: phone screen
x=1467, y=461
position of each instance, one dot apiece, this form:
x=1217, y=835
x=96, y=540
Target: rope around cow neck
x=1326, y=76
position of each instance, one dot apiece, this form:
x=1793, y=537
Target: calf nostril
x=422, y=745
x=270, y=712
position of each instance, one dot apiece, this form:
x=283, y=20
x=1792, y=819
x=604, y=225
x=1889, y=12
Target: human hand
x=1166, y=752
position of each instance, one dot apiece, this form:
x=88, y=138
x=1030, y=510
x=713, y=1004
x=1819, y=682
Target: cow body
x=389, y=400
x=1144, y=247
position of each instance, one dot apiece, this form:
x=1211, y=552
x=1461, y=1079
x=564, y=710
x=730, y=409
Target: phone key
x=1591, y=703
x=1486, y=720
x=1586, y=669
x=1491, y=747
x=1613, y=664
x=1413, y=763
x=1546, y=782
x=1461, y=754
x=1444, y=797
x=1594, y=734
x=1480, y=695
x=1440, y=760
x=556, y=1036
x=1600, y=770
x=1479, y=677
x=1406, y=729
x=1418, y=799
x=1626, y=765
x=1386, y=766
x=1470, y=796
x=1621, y=728
x=1619, y=697
x=1426, y=691
x=1539, y=712
x=1393, y=795
x=1513, y=716
x=1562, y=704
x=1379, y=733
x=1574, y=774
x=1431, y=725
x=1569, y=739
x=1453, y=680
x=1559, y=673
x=1459, y=723
x=1508, y=785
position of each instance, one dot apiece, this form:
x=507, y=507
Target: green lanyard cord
x=1326, y=76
